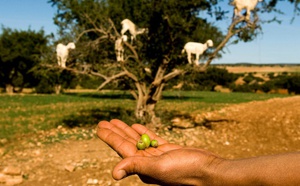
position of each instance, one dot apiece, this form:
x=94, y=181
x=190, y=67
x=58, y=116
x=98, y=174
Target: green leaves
x=20, y=51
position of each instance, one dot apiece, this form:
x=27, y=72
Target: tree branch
x=109, y=79
x=173, y=74
x=231, y=32
x=99, y=29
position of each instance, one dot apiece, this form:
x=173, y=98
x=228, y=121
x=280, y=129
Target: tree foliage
x=20, y=51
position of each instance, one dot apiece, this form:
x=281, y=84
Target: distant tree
x=267, y=86
x=154, y=58
x=294, y=84
x=208, y=80
x=290, y=82
x=20, y=51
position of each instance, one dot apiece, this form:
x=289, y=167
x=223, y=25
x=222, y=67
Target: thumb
x=132, y=165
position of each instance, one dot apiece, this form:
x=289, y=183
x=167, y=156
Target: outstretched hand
x=123, y=138
x=167, y=164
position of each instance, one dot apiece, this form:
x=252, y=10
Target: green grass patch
x=27, y=114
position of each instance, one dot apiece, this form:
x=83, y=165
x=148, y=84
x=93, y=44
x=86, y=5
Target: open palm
x=123, y=139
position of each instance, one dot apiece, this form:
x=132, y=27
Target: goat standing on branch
x=62, y=53
x=239, y=5
x=128, y=25
x=119, y=47
x=197, y=49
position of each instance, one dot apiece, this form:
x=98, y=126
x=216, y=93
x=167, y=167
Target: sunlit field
x=263, y=69
x=29, y=113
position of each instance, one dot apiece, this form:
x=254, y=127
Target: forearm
x=281, y=169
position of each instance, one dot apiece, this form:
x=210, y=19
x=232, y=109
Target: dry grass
x=262, y=69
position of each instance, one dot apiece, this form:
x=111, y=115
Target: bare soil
x=237, y=131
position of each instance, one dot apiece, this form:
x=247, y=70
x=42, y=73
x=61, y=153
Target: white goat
x=119, y=47
x=62, y=53
x=239, y=5
x=197, y=49
x=128, y=25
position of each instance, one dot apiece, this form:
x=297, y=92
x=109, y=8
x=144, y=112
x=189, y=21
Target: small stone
x=10, y=170
x=3, y=178
x=2, y=151
x=182, y=123
x=3, y=141
x=37, y=152
x=14, y=180
x=92, y=181
x=70, y=168
x=227, y=143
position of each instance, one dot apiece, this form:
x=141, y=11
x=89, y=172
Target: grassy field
x=29, y=113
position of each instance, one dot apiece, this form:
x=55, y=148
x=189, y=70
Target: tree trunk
x=145, y=109
x=9, y=88
x=57, y=89
x=148, y=98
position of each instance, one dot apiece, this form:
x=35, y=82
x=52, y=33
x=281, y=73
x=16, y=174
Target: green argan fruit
x=141, y=145
x=154, y=143
x=146, y=139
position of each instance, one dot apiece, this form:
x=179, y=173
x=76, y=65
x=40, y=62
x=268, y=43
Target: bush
x=293, y=84
x=250, y=78
x=44, y=87
x=241, y=88
x=47, y=79
x=267, y=86
x=205, y=81
x=89, y=82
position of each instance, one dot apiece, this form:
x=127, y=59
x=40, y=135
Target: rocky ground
x=237, y=131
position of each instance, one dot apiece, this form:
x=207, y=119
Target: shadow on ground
x=127, y=95
x=111, y=95
x=85, y=118
x=90, y=117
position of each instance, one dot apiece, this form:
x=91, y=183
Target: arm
x=171, y=164
x=281, y=169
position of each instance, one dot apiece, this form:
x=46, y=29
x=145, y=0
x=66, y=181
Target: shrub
x=293, y=84
x=205, y=81
x=267, y=86
x=44, y=87
x=241, y=88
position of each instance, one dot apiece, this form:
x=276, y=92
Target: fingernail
x=122, y=174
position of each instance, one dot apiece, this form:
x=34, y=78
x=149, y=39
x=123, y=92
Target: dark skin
x=171, y=164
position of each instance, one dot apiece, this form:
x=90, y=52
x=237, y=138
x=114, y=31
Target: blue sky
x=278, y=44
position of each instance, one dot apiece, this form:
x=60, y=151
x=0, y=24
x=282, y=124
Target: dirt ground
x=237, y=131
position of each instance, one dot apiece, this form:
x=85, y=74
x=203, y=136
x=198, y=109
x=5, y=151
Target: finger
x=140, y=129
x=121, y=129
x=121, y=145
x=133, y=165
x=124, y=129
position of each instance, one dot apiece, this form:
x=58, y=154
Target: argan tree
x=154, y=58
x=20, y=51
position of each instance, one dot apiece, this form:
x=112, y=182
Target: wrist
x=222, y=172
x=218, y=172
x=237, y=172
x=212, y=172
